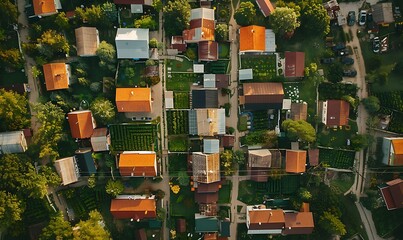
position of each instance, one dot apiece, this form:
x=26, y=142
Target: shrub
x=96, y=86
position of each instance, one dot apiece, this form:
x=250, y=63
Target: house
x=207, y=122
x=57, y=76
x=85, y=162
x=201, y=27
x=298, y=223
x=252, y=39
x=81, y=123
x=133, y=207
x=265, y=7
x=211, y=145
x=206, y=224
x=392, y=149
x=138, y=164
x=392, y=193
x=207, y=193
x=262, y=96
x=334, y=113
x=87, y=40
x=204, y=98
x=13, y=142
x=383, y=13
x=44, y=8
x=132, y=43
x=99, y=140
x=294, y=64
x=206, y=167
x=259, y=161
x=178, y=43
x=68, y=170
x=169, y=99
x=133, y=99
x=208, y=51
x=295, y=161
x=299, y=111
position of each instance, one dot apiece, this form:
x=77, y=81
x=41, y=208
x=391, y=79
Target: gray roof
x=209, y=80
x=383, y=13
x=12, y=142
x=245, y=74
x=202, y=13
x=132, y=43
x=270, y=38
x=211, y=145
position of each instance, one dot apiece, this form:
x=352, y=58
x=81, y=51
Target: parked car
x=349, y=73
x=343, y=52
x=351, y=18
x=327, y=60
x=347, y=60
x=376, y=45
x=339, y=46
x=363, y=18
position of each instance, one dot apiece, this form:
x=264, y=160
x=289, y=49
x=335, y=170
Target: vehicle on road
x=349, y=73
x=362, y=18
x=351, y=18
x=347, y=61
x=376, y=45
x=343, y=52
x=327, y=60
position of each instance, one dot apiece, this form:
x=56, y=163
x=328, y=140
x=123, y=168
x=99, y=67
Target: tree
x=107, y=55
x=62, y=21
x=8, y=14
x=14, y=113
x=52, y=178
x=92, y=15
x=11, y=58
x=270, y=139
x=359, y=141
x=314, y=18
x=114, y=188
x=335, y=73
x=91, y=183
x=245, y=14
x=299, y=130
x=227, y=162
x=183, y=178
x=239, y=157
x=92, y=229
x=304, y=195
x=157, y=4
x=371, y=104
x=146, y=21
x=110, y=12
x=57, y=228
x=176, y=15
x=103, y=110
x=284, y=21
x=332, y=224
x=50, y=132
x=221, y=32
x=11, y=209
x=190, y=53
x=51, y=43
x=153, y=43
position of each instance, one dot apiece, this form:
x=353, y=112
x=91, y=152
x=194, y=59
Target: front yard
x=336, y=137
x=263, y=66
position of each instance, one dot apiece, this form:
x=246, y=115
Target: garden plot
x=178, y=122
x=291, y=91
x=178, y=143
x=182, y=81
x=181, y=100
x=263, y=66
x=134, y=137
x=179, y=64
x=337, y=158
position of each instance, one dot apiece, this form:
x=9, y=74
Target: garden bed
x=178, y=122
x=223, y=50
x=260, y=120
x=134, y=137
x=182, y=65
x=181, y=100
x=177, y=162
x=242, y=123
x=178, y=143
x=263, y=66
x=217, y=67
x=341, y=159
x=182, y=81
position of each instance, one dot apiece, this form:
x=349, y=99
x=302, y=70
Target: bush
x=153, y=43
x=83, y=81
x=96, y=86
x=190, y=53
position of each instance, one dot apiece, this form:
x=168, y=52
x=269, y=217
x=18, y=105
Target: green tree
x=14, y=113
x=270, y=139
x=371, y=104
x=114, y=188
x=8, y=13
x=62, y=21
x=359, y=141
x=11, y=58
x=92, y=229
x=245, y=14
x=227, y=162
x=52, y=178
x=158, y=5
x=183, y=178
x=176, y=15
x=153, y=43
x=51, y=43
x=11, y=209
x=103, y=110
x=239, y=157
x=190, y=53
x=107, y=55
x=57, y=228
x=332, y=224
x=314, y=18
x=299, y=130
x=91, y=183
x=284, y=21
x=50, y=132
x=221, y=32
x=146, y=21
x=304, y=195
x=93, y=15
x=110, y=12
x=335, y=72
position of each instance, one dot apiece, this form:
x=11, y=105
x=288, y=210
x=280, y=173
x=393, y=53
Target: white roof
x=209, y=80
x=211, y=145
x=205, y=13
x=221, y=121
x=198, y=68
x=270, y=40
x=132, y=43
x=286, y=104
x=67, y=169
x=169, y=99
x=12, y=142
x=245, y=74
x=136, y=8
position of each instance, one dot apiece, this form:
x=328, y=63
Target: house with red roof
x=46, y=7
x=334, y=113
x=392, y=193
x=57, y=76
x=133, y=99
x=81, y=124
x=252, y=39
x=392, y=148
x=265, y=7
x=202, y=26
x=133, y=207
x=138, y=164
x=294, y=64
x=208, y=51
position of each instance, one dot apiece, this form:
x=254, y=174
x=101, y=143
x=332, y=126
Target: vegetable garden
x=178, y=143
x=178, y=122
x=341, y=159
x=217, y=67
x=264, y=66
x=182, y=81
x=260, y=120
x=336, y=91
x=181, y=100
x=134, y=137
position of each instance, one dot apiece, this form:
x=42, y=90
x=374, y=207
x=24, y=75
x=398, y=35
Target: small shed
x=211, y=145
x=286, y=104
x=270, y=39
x=245, y=74
x=209, y=81
x=13, y=142
x=198, y=68
x=169, y=99
x=99, y=140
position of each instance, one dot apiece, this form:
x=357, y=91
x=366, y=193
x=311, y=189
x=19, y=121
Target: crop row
x=337, y=158
x=178, y=122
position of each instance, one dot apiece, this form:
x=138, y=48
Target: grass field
x=177, y=162
x=242, y=124
x=224, y=194
x=182, y=81
x=263, y=66
x=134, y=137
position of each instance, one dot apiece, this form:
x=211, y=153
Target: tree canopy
x=11, y=209
x=284, y=21
x=176, y=14
x=103, y=110
x=8, y=14
x=314, y=18
x=146, y=21
x=107, y=55
x=51, y=43
x=114, y=188
x=299, y=130
x=221, y=32
x=92, y=229
x=11, y=58
x=335, y=72
x=332, y=224
x=245, y=14
x=14, y=113
x=371, y=104
x=58, y=228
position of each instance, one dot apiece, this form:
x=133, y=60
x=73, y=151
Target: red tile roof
x=268, y=92
x=252, y=38
x=137, y=164
x=266, y=219
x=133, y=99
x=44, y=7
x=265, y=7
x=208, y=51
x=337, y=113
x=298, y=223
x=206, y=197
x=81, y=124
x=393, y=194
x=56, y=76
x=133, y=208
x=294, y=64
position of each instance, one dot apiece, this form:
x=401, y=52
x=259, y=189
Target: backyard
x=178, y=122
x=182, y=204
x=177, y=162
x=341, y=159
x=181, y=100
x=182, y=81
x=217, y=67
x=263, y=66
x=337, y=137
x=178, y=143
x=224, y=194
x=392, y=104
x=130, y=75
x=134, y=137
x=302, y=92
x=179, y=64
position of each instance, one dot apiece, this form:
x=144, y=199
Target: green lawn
x=124, y=80
x=177, y=162
x=182, y=81
x=223, y=50
x=183, y=204
x=242, y=124
x=263, y=66
x=336, y=137
x=343, y=182
x=178, y=143
x=224, y=194
x=184, y=65
x=305, y=91
x=337, y=158
x=181, y=100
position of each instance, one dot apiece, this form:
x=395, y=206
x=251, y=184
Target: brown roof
x=178, y=43
x=260, y=158
x=252, y=38
x=133, y=208
x=304, y=207
x=200, y=30
x=266, y=219
x=44, y=7
x=208, y=187
x=268, y=92
x=81, y=123
x=66, y=168
x=295, y=161
x=298, y=223
x=56, y=76
x=206, y=197
x=99, y=140
x=294, y=64
x=210, y=236
x=87, y=41
x=138, y=164
x=337, y=113
x=181, y=225
x=299, y=111
x=227, y=140
x=276, y=160
x=222, y=80
x=265, y=7
x=133, y=99
x=313, y=155
x=208, y=209
x=208, y=51
x=128, y=1
x=397, y=145
x=393, y=194
x=206, y=167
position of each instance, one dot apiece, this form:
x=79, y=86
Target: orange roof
x=81, y=124
x=295, y=161
x=42, y=7
x=133, y=99
x=266, y=216
x=304, y=207
x=298, y=223
x=398, y=150
x=137, y=164
x=133, y=208
x=56, y=76
x=252, y=38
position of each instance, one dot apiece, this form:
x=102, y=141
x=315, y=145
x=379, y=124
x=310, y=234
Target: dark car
x=369, y=17
x=343, y=52
x=327, y=60
x=347, y=61
x=339, y=46
x=349, y=73
x=376, y=45
x=351, y=18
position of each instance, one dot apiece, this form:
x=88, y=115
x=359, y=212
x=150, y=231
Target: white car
x=362, y=18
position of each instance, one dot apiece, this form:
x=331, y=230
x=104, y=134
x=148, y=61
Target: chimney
x=271, y=214
x=253, y=30
x=260, y=223
x=145, y=213
x=132, y=93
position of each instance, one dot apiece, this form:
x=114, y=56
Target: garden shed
x=12, y=142
x=270, y=39
x=67, y=170
x=209, y=80
x=299, y=111
x=383, y=13
x=265, y=7
x=99, y=140
x=46, y=8
x=169, y=99
x=392, y=148
x=295, y=161
x=204, y=224
x=245, y=74
x=211, y=145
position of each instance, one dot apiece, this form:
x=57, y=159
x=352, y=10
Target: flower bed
x=264, y=66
